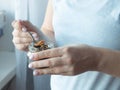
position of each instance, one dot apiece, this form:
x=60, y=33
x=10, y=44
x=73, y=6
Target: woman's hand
x=69, y=60
x=21, y=37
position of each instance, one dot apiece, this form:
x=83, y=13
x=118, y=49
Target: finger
x=34, y=35
x=18, y=40
x=22, y=46
x=13, y=22
x=18, y=33
x=17, y=25
x=29, y=25
x=24, y=29
x=55, y=71
x=52, y=62
x=55, y=52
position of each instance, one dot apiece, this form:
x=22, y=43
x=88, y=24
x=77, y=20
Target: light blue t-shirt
x=92, y=22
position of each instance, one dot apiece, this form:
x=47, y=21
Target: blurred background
x=13, y=75
x=7, y=15
x=7, y=55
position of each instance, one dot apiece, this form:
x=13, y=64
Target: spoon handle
x=32, y=36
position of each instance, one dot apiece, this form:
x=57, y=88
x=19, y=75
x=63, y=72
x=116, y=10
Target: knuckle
x=52, y=71
x=50, y=63
x=25, y=40
x=16, y=33
x=67, y=49
x=18, y=40
x=69, y=60
x=56, y=70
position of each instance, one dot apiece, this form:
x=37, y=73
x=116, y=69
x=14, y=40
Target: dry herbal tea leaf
x=39, y=46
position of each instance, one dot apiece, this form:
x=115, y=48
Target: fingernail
x=37, y=39
x=24, y=29
x=31, y=57
x=29, y=54
x=30, y=65
x=34, y=35
x=35, y=73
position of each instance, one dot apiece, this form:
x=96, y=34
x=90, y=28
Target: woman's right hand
x=21, y=37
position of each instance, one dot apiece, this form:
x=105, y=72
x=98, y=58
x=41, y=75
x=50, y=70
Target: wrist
x=109, y=62
x=93, y=56
x=98, y=55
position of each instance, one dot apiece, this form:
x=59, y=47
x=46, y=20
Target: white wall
x=6, y=40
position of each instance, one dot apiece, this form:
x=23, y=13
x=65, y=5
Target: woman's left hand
x=68, y=60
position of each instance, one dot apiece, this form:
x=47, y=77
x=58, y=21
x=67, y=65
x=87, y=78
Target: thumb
x=29, y=26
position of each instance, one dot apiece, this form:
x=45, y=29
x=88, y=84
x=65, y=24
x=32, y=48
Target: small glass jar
x=40, y=46
x=37, y=48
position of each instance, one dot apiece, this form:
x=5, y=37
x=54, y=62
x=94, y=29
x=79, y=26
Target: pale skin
x=67, y=60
